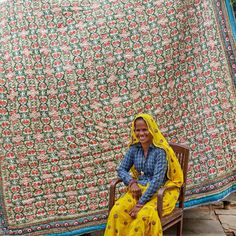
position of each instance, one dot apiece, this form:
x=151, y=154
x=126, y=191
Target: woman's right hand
x=135, y=190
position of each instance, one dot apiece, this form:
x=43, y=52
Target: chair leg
x=180, y=227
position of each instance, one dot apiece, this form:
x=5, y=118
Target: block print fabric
x=72, y=76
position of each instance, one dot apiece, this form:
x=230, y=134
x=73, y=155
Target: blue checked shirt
x=153, y=167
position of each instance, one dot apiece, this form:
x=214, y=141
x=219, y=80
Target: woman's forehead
x=140, y=122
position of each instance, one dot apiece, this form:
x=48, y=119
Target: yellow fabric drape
x=174, y=172
x=147, y=222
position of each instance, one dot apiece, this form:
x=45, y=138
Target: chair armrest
x=113, y=192
x=160, y=196
x=182, y=196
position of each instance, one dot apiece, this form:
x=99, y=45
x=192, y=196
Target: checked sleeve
x=125, y=165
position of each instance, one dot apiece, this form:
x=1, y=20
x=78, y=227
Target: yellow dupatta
x=174, y=171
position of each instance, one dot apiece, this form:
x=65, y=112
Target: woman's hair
x=139, y=118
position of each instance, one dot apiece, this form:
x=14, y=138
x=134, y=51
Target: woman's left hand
x=135, y=190
x=133, y=213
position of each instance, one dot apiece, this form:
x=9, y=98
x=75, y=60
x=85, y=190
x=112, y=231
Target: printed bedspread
x=72, y=76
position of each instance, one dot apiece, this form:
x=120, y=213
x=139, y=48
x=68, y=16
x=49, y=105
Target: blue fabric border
x=80, y=231
x=210, y=199
x=188, y=204
x=231, y=17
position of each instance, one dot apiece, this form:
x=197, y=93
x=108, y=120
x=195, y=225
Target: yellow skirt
x=147, y=222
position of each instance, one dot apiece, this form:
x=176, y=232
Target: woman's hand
x=135, y=190
x=133, y=213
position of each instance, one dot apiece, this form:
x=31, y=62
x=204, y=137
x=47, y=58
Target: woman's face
x=142, y=132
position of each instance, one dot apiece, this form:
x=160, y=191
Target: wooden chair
x=176, y=217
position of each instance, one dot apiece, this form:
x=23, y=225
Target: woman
x=152, y=164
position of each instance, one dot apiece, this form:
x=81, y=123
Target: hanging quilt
x=72, y=76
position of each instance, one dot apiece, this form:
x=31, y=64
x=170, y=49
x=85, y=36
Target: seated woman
x=153, y=164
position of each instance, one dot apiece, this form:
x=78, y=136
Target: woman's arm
x=158, y=178
x=125, y=165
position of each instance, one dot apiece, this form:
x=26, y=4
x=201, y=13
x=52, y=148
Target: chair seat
x=175, y=214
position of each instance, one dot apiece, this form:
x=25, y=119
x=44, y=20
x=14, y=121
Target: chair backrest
x=182, y=153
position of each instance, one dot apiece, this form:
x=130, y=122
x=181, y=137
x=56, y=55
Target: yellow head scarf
x=174, y=172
